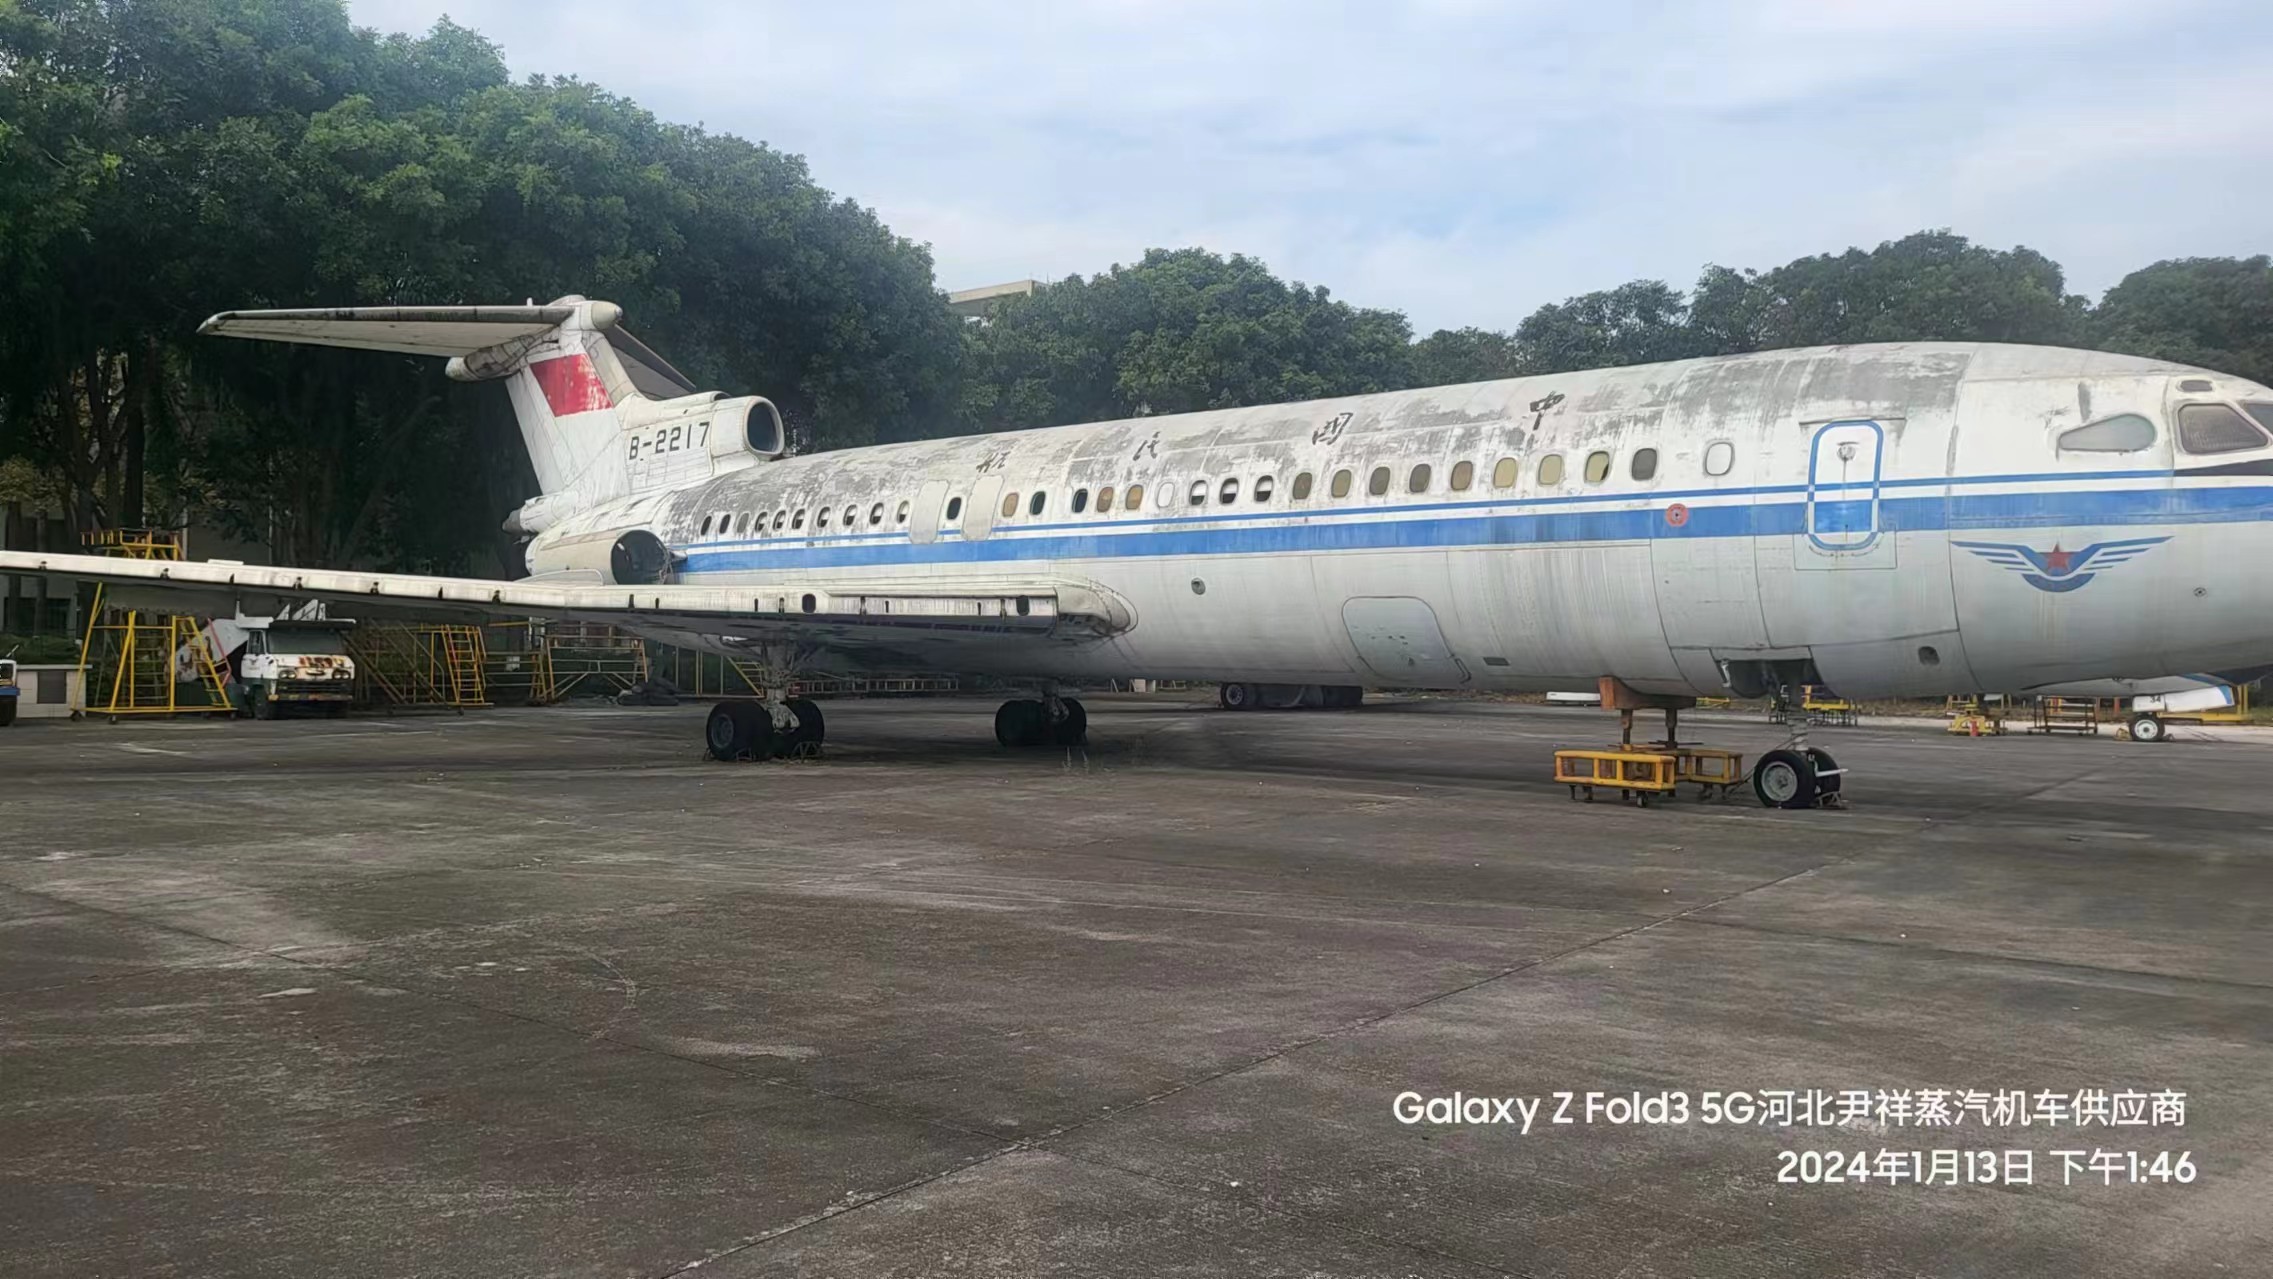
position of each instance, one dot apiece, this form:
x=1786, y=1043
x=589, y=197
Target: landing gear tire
x=1785, y=779
x=1021, y=722
x=1239, y=697
x=2146, y=728
x=738, y=730
x=806, y=738
x=1073, y=730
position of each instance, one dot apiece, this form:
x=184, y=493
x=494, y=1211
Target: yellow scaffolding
x=591, y=658
x=130, y=661
x=420, y=664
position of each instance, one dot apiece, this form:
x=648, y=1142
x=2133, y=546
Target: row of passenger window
x=1720, y=458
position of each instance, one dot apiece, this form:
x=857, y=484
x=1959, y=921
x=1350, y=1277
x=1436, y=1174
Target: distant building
x=976, y=305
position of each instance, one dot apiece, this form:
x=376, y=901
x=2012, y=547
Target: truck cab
x=286, y=662
x=9, y=691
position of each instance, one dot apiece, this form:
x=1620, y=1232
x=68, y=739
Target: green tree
x=2212, y=312
x=1469, y=354
x=1931, y=286
x=1636, y=323
x=1179, y=331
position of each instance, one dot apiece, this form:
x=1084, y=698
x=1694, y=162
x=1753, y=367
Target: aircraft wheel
x=1021, y=722
x=1073, y=730
x=1784, y=779
x=1239, y=697
x=738, y=730
x=2146, y=728
x=811, y=728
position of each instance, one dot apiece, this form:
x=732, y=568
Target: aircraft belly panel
x=1399, y=640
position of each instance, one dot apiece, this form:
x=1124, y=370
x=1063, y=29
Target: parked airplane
x=1911, y=519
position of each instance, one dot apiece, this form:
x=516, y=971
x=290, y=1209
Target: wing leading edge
x=801, y=609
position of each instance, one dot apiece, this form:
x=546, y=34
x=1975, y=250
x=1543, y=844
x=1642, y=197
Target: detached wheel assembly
x=1785, y=779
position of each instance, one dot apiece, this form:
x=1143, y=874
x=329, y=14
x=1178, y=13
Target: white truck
x=270, y=663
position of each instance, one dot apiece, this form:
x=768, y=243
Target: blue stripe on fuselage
x=1197, y=537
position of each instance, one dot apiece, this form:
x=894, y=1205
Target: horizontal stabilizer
x=411, y=330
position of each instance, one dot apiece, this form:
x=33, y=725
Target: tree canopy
x=161, y=160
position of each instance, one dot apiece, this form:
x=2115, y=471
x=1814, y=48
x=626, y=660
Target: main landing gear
x=1024, y=722
x=788, y=727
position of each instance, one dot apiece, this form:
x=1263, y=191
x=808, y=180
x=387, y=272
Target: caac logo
x=2056, y=569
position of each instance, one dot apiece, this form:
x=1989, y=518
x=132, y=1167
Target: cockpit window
x=2215, y=428
x=2262, y=411
x=2123, y=433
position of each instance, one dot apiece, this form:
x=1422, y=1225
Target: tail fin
x=582, y=388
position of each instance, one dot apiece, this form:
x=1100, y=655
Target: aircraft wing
x=905, y=618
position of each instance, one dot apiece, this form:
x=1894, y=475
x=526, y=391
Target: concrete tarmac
x=546, y=993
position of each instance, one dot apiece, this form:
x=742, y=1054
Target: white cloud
x=1464, y=161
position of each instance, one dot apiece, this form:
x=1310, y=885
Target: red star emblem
x=2056, y=560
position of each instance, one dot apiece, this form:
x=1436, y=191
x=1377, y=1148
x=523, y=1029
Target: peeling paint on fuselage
x=1556, y=582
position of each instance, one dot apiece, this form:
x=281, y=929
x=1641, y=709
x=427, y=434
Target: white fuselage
x=1906, y=517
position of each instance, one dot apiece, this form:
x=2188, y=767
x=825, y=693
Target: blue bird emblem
x=2058, y=570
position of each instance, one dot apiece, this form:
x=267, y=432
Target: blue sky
x=1464, y=161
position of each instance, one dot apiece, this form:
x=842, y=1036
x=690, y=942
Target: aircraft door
x=1844, y=462
x=979, y=511
x=923, y=522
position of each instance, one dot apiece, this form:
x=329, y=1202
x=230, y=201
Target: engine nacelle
x=618, y=556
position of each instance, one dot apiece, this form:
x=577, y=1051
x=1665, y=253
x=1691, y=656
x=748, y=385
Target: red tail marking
x=571, y=385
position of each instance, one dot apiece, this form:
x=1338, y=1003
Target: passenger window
x=1263, y=487
x=1505, y=472
x=705, y=526
x=780, y=518
x=875, y=515
x=1080, y=500
x=903, y=516
x=1105, y=499
x=954, y=507
x=1418, y=481
x=1302, y=486
x=1009, y=505
x=1199, y=493
x=1644, y=465
x=851, y=514
x=821, y=518
x=1720, y=457
x=1035, y=503
x=1341, y=485
x=1133, y=500
x=1551, y=470
x=743, y=526
x=1230, y=492
x=1463, y=475
x=2214, y=428
x=2123, y=433
x=798, y=520
x=1597, y=467
x=1378, y=482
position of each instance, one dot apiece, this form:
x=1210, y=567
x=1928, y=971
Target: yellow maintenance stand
x=421, y=664
x=134, y=662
